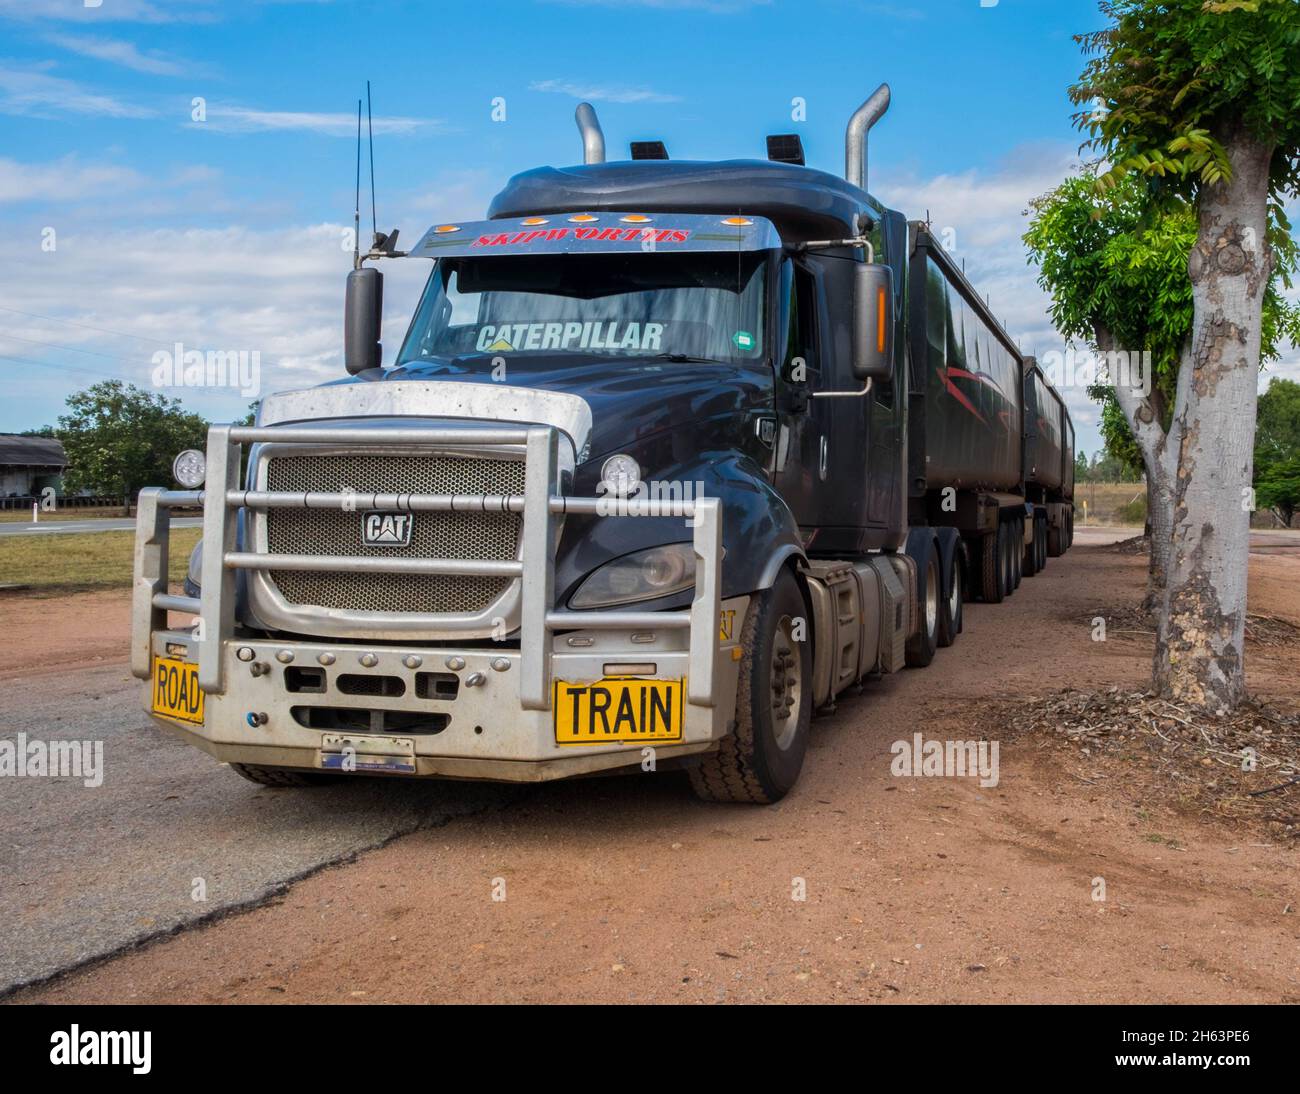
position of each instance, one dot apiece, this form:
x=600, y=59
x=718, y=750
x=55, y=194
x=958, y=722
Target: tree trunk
x=1142, y=411
x=1199, y=645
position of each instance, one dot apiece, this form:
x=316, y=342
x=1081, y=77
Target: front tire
x=760, y=760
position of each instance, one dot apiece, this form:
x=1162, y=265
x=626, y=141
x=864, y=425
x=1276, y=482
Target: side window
x=801, y=342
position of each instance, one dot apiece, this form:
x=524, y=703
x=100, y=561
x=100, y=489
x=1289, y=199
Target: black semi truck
x=671, y=455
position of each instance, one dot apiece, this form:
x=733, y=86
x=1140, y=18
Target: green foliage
x=1116, y=261
x=119, y=438
x=1277, y=449
x=1277, y=487
x=1171, y=79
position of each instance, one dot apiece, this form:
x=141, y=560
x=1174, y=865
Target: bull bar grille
x=337, y=532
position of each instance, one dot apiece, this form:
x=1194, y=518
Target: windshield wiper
x=690, y=358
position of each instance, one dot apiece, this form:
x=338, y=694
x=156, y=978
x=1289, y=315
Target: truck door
x=824, y=475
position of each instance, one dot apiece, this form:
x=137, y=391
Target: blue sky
x=225, y=233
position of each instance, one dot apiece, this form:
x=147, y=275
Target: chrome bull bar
x=540, y=504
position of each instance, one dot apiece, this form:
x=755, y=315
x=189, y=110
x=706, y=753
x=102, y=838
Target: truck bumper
x=439, y=725
x=450, y=708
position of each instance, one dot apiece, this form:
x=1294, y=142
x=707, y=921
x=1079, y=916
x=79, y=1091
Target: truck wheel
x=921, y=646
x=1055, y=537
x=992, y=552
x=760, y=760
x=1017, y=552
x=1040, y=542
x=280, y=776
x=950, y=612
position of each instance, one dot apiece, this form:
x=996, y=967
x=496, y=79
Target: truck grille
x=434, y=535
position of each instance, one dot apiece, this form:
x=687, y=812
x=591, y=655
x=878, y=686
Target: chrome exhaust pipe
x=593, y=140
x=855, y=137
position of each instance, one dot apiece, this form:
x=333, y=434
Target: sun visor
x=599, y=233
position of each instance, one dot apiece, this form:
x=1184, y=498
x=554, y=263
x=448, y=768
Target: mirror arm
x=827, y=244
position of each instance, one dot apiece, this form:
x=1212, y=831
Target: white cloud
x=119, y=52
x=67, y=179
x=126, y=11
x=34, y=91
x=115, y=295
x=612, y=93
x=238, y=119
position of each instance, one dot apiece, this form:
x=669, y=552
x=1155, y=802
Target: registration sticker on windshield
x=743, y=339
x=570, y=335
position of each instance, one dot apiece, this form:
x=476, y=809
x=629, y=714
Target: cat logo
x=386, y=530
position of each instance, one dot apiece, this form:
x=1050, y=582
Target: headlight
x=192, y=572
x=190, y=468
x=620, y=476
x=642, y=575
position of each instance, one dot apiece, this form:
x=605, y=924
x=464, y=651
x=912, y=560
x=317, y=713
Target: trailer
x=671, y=455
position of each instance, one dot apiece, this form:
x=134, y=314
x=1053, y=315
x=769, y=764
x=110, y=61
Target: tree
x=1277, y=450
x=119, y=438
x=1115, y=265
x=1203, y=98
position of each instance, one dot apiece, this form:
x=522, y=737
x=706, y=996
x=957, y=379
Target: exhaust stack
x=855, y=137
x=593, y=140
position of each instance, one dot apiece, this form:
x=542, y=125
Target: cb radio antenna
x=370, y=126
x=356, y=208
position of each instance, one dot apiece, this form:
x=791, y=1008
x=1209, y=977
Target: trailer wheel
x=280, y=776
x=1017, y=552
x=1055, y=537
x=992, y=552
x=922, y=645
x=1033, y=564
x=950, y=613
x=760, y=760
x=1006, y=550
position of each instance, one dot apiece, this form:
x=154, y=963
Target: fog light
x=190, y=468
x=620, y=476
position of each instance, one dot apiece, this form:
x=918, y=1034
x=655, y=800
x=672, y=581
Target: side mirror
x=873, y=322
x=363, y=311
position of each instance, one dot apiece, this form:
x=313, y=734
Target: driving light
x=190, y=468
x=620, y=476
x=642, y=575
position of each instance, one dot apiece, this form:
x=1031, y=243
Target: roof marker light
x=634, y=218
x=443, y=229
x=531, y=221
x=581, y=218
x=742, y=222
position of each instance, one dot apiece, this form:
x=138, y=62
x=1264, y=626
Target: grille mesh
x=333, y=532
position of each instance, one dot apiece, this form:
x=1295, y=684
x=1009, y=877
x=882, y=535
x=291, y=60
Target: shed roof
x=19, y=451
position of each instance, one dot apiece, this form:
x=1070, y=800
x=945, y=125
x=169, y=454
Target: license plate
x=176, y=692
x=618, y=711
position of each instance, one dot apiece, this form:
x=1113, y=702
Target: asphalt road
x=93, y=524
x=88, y=871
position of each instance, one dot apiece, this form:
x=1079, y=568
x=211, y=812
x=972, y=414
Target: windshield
x=697, y=306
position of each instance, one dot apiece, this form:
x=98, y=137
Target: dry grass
x=90, y=560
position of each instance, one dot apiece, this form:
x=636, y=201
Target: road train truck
x=671, y=455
